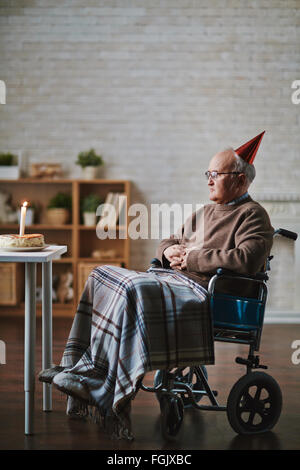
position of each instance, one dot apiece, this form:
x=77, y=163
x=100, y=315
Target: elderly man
x=237, y=231
x=130, y=322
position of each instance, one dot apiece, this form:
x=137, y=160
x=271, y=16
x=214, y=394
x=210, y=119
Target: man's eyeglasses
x=214, y=174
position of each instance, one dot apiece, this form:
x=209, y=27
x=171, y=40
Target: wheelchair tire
x=172, y=411
x=254, y=403
x=187, y=402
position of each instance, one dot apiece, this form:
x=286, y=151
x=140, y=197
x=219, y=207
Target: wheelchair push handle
x=286, y=233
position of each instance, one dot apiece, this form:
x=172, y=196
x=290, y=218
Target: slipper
x=72, y=385
x=47, y=375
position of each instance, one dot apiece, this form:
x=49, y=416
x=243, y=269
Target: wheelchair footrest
x=252, y=362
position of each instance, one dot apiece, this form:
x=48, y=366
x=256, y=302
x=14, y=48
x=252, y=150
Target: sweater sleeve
x=253, y=242
x=164, y=244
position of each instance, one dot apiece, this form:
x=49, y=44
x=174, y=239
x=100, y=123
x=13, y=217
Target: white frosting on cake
x=24, y=241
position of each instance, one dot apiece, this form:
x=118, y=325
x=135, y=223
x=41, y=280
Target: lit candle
x=22, y=218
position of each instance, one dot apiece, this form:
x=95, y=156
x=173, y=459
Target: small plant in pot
x=89, y=206
x=89, y=162
x=59, y=209
x=9, y=166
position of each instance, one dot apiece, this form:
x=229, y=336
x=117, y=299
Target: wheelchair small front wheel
x=254, y=403
x=172, y=410
x=186, y=376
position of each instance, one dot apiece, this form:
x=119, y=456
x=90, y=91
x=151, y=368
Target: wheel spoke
x=245, y=402
x=251, y=417
x=258, y=392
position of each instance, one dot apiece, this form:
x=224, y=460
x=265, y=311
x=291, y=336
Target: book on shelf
x=112, y=210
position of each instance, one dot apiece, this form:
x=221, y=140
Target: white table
x=31, y=259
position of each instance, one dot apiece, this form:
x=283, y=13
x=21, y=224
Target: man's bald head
x=224, y=160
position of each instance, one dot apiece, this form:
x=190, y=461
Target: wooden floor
x=201, y=430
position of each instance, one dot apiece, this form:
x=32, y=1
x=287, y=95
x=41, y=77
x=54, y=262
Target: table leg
x=29, y=345
x=47, y=330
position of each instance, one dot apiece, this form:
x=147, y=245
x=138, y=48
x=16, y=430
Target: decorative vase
x=57, y=216
x=90, y=172
x=89, y=219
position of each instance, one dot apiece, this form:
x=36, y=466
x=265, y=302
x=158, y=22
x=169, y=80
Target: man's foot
x=47, y=375
x=72, y=385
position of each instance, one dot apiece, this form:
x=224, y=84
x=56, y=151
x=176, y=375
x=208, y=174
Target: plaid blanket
x=126, y=324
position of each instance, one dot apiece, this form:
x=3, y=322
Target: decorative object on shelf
x=82, y=241
x=59, y=208
x=89, y=162
x=84, y=270
x=89, y=206
x=10, y=166
x=64, y=291
x=46, y=170
x=104, y=254
x=112, y=210
x=39, y=294
x=10, y=283
x=7, y=213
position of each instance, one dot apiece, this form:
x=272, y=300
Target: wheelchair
x=255, y=401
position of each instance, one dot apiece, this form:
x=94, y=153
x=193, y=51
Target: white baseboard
x=272, y=316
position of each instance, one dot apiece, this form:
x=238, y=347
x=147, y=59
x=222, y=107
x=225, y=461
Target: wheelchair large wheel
x=172, y=410
x=186, y=377
x=254, y=403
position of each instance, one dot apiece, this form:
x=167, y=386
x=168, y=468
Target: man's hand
x=175, y=254
x=180, y=262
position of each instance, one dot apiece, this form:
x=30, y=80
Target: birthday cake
x=22, y=241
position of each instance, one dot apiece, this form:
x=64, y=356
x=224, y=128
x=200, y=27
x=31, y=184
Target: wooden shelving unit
x=81, y=240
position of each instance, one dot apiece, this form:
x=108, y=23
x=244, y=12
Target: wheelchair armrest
x=226, y=273
x=155, y=263
x=256, y=277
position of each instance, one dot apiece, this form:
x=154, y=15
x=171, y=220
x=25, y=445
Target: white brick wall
x=156, y=86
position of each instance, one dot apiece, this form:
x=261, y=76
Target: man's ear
x=242, y=179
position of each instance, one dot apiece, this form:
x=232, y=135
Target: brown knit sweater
x=236, y=237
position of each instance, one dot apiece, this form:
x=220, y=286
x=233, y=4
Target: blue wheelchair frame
x=236, y=319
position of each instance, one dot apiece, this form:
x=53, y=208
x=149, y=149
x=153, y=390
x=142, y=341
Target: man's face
x=224, y=188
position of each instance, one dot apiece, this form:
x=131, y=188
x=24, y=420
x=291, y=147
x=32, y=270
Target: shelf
x=80, y=239
x=94, y=227
x=66, y=306
x=37, y=181
x=102, y=261
x=63, y=181
x=64, y=260
x=37, y=227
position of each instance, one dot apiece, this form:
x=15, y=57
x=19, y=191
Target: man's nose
x=210, y=181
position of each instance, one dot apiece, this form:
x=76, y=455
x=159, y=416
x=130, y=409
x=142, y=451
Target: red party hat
x=248, y=151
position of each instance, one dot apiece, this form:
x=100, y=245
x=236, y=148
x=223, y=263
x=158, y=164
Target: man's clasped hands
x=177, y=256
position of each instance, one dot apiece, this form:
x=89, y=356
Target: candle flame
x=25, y=204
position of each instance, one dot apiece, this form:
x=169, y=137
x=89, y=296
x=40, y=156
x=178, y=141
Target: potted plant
x=9, y=166
x=89, y=206
x=89, y=162
x=59, y=208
